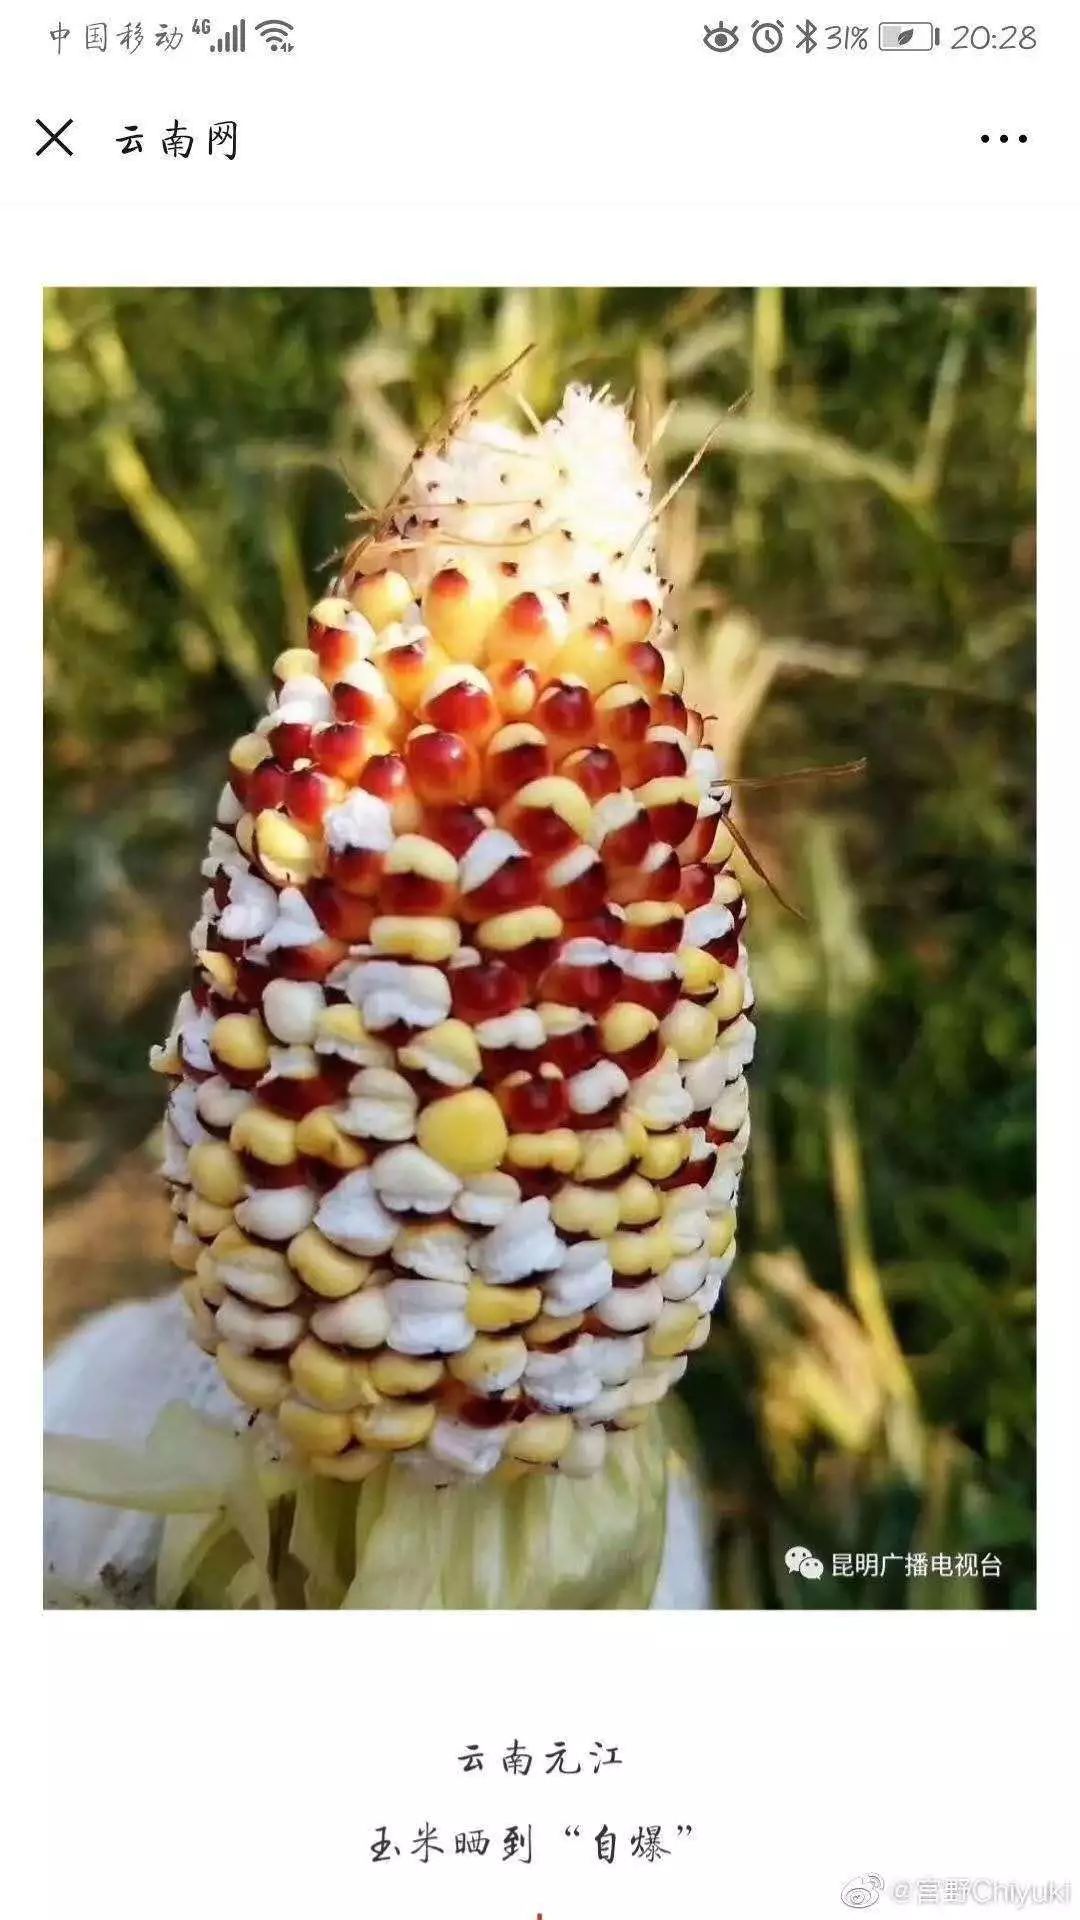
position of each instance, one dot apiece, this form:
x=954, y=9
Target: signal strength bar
x=235, y=41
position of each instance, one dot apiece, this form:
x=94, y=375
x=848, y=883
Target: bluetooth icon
x=806, y=37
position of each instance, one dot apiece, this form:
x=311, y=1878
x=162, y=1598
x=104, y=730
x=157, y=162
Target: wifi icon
x=276, y=34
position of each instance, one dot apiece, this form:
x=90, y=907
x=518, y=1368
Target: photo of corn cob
x=457, y=1107
x=541, y=622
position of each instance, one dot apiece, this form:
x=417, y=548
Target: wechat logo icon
x=801, y=1560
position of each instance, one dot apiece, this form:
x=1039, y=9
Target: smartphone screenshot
x=538, y=611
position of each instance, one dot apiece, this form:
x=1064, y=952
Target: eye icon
x=721, y=39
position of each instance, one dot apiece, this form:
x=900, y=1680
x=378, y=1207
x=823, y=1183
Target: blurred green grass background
x=856, y=555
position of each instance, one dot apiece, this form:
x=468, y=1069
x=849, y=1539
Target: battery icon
x=907, y=36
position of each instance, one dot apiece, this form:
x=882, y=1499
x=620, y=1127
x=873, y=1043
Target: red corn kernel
x=595, y=770
x=341, y=749
x=442, y=767
x=590, y=988
x=661, y=759
x=623, y=717
x=355, y=870
x=464, y=707
x=266, y=787
x=695, y=887
x=309, y=963
x=340, y=914
x=574, y=1052
x=294, y=1095
x=308, y=794
x=291, y=741
x=643, y=664
x=454, y=827
x=576, y=885
x=485, y=990
x=669, y=710
x=386, y=776
x=534, y=1103
x=566, y=714
x=515, y=755
x=414, y=893
x=515, y=884
x=530, y=627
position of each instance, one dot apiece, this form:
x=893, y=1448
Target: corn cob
x=458, y=1106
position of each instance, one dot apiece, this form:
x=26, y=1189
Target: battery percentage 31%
x=835, y=39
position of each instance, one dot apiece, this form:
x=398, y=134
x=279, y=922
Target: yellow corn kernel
x=320, y=1137
x=507, y=1471
x=625, y=1025
x=653, y=913
x=647, y=1251
x=701, y=972
x=552, y=1326
x=700, y=1334
x=415, y=853
x=394, y=1425
x=540, y=1438
x=663, y=1154
x=296, y=663
x=397, y=1374
x=488, y=1359
x=721, y=1233
x=245, y=835
x=284, y=850
x=249, y=751
x=203, y=1325
x=632, y=1417
x=667, y=791
x=184, y=1248
x=312, y=1429
x=690, y=1030
x=266, y=1136
x=325, y=1268
x=216, y=1173
x=459, y=606
x=493, y=1309
x=262, y=1384
x=590, y=1210
x=205, y=1273
x=558, y=1149
x=505, y=932
x=351, y=1466
x=221, y=969
x=240, y=1040
x=730, y=994
x=722, y=848
x=382, y=597
x=605, y=1151
x=449, y=1052
x=329, y=1380
x=669, y=1334
x=166, y=1059
x=205, y=1219
x=558, y=795
x=418, y=936
x=464, y=1132
x=638, y=1201
x=261, y=1274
